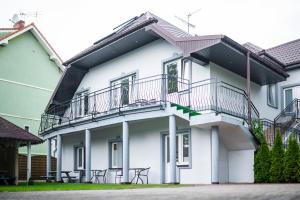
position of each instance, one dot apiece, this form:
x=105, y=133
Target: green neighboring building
x=29, y=72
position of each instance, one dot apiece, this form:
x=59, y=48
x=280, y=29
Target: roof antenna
x=34, y=14
x=187, y=22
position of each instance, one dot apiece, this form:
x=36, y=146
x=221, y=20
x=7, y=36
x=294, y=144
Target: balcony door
x=81, y=104
x=177, y=74
x=122, y=91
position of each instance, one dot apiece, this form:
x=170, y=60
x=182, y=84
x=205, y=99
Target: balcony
x=152, y=92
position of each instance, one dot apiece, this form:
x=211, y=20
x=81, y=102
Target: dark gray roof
x=252, y=47
x=287, y=53
x=147, y=28
x=134, y=24
x=9, y=131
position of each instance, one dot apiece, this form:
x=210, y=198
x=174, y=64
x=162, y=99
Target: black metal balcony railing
x=151, y=91
x=288, y=116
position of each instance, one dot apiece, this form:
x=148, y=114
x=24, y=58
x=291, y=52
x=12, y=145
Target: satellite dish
x=15, y=18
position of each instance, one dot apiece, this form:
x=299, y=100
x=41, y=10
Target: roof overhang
x=115, y=49
x=228, y=55
x=4, y=41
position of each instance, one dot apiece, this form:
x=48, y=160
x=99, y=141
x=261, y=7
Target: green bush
x=298, y=164
x=277, y=158
x=258, y=131
x=262, y=164
x=262, y=156
x=290, y=161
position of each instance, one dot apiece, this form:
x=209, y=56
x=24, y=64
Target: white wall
x=241, y=165
x=147, y=60
x=293, y=79
x=223, y=164
x=200, y=72
x=200, y=173
x=258, y=93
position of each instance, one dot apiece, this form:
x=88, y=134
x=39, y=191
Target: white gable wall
x=146, y=61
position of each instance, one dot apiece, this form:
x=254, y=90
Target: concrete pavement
x=213, y=192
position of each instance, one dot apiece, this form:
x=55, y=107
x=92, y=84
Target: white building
x=171, y=101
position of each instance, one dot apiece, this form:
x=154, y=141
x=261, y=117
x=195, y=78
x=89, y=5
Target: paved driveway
x=220, y=192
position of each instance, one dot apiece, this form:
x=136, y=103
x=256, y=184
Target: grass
x=77, y=186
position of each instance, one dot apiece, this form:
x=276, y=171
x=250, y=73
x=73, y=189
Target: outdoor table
x=67, y=175
x=81, y=173
x=96, y=174
x=136, y=170
x=136, y=174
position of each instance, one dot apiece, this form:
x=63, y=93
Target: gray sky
x=71, y=25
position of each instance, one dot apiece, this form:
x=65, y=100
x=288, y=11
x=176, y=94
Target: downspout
x=249, y=88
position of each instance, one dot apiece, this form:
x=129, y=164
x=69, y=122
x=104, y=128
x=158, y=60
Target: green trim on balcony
x=186, y=109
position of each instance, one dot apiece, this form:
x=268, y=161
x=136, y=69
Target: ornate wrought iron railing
x=148, y=92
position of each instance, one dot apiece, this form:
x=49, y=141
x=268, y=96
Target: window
x=272, y=95
x=178, y=75
x=288, y=97
x=116, y=154
x=79, y=158
x=121, y=90
x=172, y=75
x=26, y=128
x=182, y=148
x=81, y=104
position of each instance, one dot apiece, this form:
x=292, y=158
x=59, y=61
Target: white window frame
x=179, y=151
x=116, y=94
x=115, y=154
x=269, y=89
x=79, y=165
x=79, y=98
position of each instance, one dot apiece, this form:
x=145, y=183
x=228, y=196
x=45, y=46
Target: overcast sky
x=71, y=25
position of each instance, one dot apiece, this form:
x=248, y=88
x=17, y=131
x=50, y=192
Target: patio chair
x=99, y=174
x=143, y=173
x=118, y=175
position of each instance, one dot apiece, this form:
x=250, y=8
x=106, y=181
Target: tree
x=290, y=161
x=262, y=164
x=262, y=156
x=277, y=158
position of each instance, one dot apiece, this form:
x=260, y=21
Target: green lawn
x=77, y=186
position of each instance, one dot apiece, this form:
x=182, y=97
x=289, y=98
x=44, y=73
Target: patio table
x=96, y=173
x=81, y=174
x=137, y=171
x=67, y=175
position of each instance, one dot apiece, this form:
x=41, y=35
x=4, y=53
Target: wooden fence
x=38, y=166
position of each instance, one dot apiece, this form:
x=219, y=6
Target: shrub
x=290, y=161
x=258, y=131
x=262, y=163
x=262, y=156
x=277, y=158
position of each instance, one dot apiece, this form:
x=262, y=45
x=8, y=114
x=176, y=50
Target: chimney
x=19, y=25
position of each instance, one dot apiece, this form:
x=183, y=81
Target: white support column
x=28, y=161
x=215, y=154
x=172, y=150
x=59, y=157
x=48, y=157
x=125, y=145
x=87, y=155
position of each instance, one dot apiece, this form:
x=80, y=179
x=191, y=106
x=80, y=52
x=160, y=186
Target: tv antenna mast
x=187, y=22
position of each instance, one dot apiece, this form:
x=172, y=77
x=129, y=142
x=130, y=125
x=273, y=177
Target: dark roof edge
x=93, y=48
x=263, y=52
x=253, y=55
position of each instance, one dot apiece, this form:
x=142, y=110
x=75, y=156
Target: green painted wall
x=27, y=80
